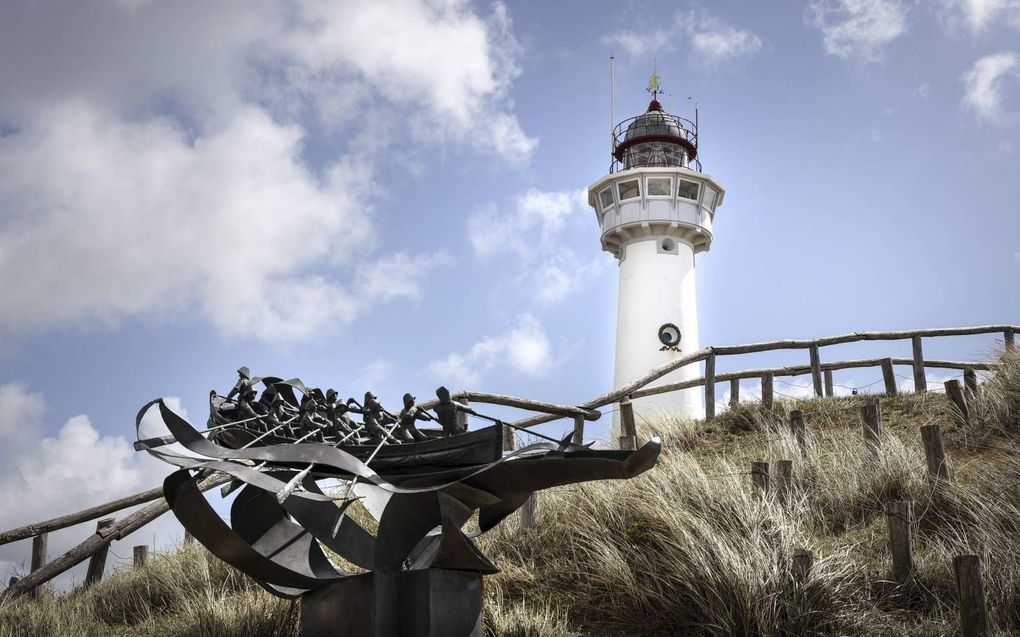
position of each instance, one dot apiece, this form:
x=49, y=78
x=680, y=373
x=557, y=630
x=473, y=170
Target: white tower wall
x=654, y=220
x=657, y=286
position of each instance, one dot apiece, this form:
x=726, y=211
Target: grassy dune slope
x=686, y=548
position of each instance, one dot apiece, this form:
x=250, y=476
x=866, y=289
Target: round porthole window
x=669, y=335
x=668, y=245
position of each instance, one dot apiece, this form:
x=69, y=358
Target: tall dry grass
x=182, y=594
x=688, y=548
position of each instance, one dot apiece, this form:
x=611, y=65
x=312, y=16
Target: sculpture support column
x=433, y=602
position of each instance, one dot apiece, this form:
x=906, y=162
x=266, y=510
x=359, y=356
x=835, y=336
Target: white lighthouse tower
x=655, y=209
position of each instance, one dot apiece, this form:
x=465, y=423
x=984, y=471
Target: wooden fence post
x=971, y=592
x=871, y=420
x=188, y=537
x=38, y=555
x=760, y=477
x=97, y=563
x=1008, y=340
x=578, y=438
x=767, y=397
x=955, y=393
x=529, y=512
x=935, y=453
x=889, y=377
x=628, y=428
x=710, y=387
x=803, y=560
x=92, y=543
x=141, y=555
x=734, y=392
x=11, y=582
x=798, y=431
x=816, y=370
x=898, y=519
x=784, y=480
x=827, y=375
x=920, y=382
x=970, y=382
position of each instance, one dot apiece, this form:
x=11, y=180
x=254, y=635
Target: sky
x=391, y=196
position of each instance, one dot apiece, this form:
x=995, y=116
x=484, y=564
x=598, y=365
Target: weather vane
x=653, y=82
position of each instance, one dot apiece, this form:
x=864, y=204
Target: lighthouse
x=656, y=210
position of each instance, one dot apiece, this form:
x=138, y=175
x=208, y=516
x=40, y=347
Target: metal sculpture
x=423, y=571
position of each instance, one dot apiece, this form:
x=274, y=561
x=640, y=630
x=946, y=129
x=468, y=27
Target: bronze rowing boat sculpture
x=423, y=571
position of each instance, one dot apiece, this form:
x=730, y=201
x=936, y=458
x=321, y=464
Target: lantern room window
x=688, y=190
x=710, y=195
x=629, y=189
x=659, y=186
x=606, y=197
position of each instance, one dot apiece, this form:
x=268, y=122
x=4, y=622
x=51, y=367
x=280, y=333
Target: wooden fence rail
x=95, y=546
x=640, y=387
x=100, y=541
x=65, y=521
x=821, y=376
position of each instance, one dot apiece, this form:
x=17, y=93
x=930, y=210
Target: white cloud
x=985, y=84
x=147, y=174
x=857, y=29
x=716, y=41
x=374, y=374
x=398, y=275
x=537, y=217
x=922, y=91
x=532, y=233
x=523, y=349
x=435, y=65
x=979, y=15
x=45, y=476
x=709, y=37
x=165, y=226
x=434, y=53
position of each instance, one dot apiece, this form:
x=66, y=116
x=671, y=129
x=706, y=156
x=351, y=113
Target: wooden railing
x=108, y=530
x=820, y=372
x=95, y=547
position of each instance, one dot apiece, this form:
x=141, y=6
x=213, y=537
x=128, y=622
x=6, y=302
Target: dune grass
x=185, y=593
x=687, y=548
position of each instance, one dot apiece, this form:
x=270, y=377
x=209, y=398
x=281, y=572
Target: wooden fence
x=820, y=371
x=95, y=546
x=776, y=480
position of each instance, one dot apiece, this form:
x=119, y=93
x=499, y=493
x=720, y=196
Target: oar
x=297, y=479
x=239, y=422
x=396, y=422
x=350, y=485
x=228, y=488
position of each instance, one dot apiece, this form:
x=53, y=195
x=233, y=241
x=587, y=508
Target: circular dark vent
x=669, y=335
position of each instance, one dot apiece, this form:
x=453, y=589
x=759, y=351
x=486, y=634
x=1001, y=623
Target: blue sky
x=390, y=196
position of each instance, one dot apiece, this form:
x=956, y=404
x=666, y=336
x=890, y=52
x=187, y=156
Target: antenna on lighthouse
x=612, y=103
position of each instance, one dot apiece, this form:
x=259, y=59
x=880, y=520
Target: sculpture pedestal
x=428, y=603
